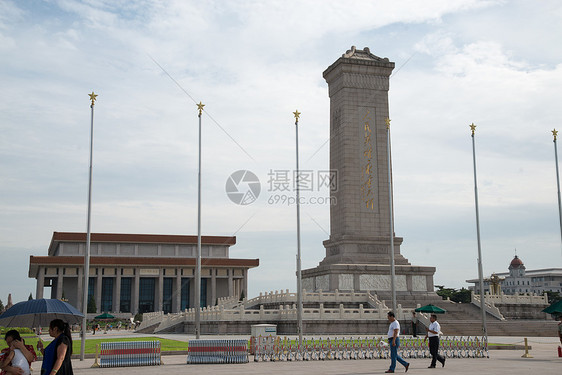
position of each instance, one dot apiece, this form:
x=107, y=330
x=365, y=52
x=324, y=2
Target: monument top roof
x=364, y=57
x=364, y=54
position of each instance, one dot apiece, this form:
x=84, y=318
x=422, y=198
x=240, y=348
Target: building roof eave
x=59, y=237
x=140, y=261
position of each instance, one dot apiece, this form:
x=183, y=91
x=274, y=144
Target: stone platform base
x=410, y=280
x=378, y=327
x=315, y=327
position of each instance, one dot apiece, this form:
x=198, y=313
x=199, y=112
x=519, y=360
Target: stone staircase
x=524, y=328
x=465, y=319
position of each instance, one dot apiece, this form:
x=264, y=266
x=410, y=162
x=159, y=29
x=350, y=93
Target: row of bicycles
x=275, y=348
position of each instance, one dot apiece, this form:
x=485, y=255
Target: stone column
x=245, y=283
x=160, y=291
x=60, y=282
x=429, y=282
x=80, y=290
x=135, y=292
x=117, y=292
x=40, y=282
x=192, y=292
x=334, y=281
x=230, y=282
x=213, y=286
x=409, y=285
x=98, y=291
x=177, y=300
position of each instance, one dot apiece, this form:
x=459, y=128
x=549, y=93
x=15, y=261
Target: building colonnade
x=120, y=289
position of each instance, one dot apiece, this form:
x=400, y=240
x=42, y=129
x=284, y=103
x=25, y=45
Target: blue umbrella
x=39, y=313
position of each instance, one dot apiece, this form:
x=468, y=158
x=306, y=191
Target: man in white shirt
x=433, y=334
x=394, y=343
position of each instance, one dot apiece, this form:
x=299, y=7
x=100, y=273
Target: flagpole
x=392, y=266
x=88, y=235
x=555, y=133
x=198, y=265
x=480, y=275
x=299, y=273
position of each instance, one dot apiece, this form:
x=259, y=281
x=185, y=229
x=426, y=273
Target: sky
x=253, y=63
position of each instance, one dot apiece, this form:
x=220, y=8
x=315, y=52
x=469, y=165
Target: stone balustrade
x=228, y=302
x=151, y=318
x=517, y=299
x=289, y=312
x=284, y=297
x=489, y=306
x=283, y=313
x=286, y=311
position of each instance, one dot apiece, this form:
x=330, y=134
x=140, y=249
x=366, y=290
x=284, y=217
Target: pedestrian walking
x=394, y=343
x=433, y=334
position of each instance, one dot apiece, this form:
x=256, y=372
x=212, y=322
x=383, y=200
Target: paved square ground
x=544, y=351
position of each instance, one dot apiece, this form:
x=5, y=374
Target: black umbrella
x=39, y=313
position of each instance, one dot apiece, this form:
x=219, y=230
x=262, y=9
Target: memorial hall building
x=137, y=273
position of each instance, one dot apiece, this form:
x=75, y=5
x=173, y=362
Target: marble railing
x=287, y=310
x=285, y=297
x=151, y=318
x=489, y=306
x=517, y=299
x=283, y=313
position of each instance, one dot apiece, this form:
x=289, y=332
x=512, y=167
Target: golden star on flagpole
x=473, y=128
x=200, y=107
x=387, y=122
x=554, y=133
x=92, y=97
x=297, y=114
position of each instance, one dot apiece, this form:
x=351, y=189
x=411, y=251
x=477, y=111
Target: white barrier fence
x=217, y=351
x=284, y=349
x=130, y=353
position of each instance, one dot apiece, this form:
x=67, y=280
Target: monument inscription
x=368, y=182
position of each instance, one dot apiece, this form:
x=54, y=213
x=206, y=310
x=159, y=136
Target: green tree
x=30, y=297
x=462, y=295
x=92, y=305
x=444, y=292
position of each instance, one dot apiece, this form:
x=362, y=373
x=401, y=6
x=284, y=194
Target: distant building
x=520, y=280
x=131, y=273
